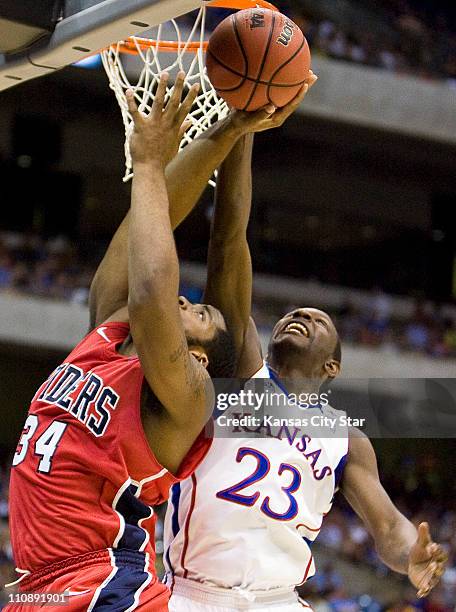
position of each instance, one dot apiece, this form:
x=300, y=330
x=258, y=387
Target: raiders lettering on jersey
x=91, y=405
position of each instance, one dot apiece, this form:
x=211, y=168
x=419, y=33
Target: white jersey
x=247, y=517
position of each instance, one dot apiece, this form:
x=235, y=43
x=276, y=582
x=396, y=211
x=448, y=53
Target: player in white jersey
x=247, y=518
x=238, y=533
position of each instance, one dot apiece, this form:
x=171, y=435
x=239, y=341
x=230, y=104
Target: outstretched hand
x=157, y=136
x=269, y=116
x=427, y=561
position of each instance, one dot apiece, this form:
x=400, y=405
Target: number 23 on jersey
x=233, y=493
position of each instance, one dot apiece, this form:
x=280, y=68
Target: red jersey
x=84, y=477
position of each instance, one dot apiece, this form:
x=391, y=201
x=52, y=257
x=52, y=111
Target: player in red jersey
x=108, y=432
x=120, y=420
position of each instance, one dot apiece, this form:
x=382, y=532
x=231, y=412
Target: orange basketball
x=257, y=56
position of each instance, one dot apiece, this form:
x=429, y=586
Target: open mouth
x=298, y=329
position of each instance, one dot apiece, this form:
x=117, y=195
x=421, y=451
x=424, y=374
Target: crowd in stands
x=56, y=269
x=414, y=487
x=417, y=38
x=45, y=268
x=421, y=43
x=429, y=330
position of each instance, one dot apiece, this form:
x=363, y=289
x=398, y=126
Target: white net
x=140, y=71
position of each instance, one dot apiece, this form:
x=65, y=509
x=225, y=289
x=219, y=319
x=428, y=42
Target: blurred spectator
x=368, y=604
x=341, y=602
x=377, y=317
x=327, y=580
x=417, y=331
x=6, y=270
x=351, y=323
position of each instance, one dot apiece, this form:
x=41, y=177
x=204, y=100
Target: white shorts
x=191, y=596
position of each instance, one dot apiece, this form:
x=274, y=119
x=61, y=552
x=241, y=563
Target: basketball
x=257, y=57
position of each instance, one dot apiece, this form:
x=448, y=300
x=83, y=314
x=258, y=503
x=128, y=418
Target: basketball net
x=137, y=63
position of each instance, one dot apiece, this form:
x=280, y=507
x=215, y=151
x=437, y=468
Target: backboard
x=83, y=28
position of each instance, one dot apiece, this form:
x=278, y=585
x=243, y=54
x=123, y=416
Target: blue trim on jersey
x=175, y=527
x=340, y=470
x=175, y=499
x=275, y=379
x=119, y=594
x=309, y=542
x=133, y=510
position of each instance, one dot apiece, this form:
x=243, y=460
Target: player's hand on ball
x=157, y=136
x=269, y=116
x=427, y=562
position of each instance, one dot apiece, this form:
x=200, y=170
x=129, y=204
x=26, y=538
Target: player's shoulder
x=356, y=434
x=102, y=338
x=109, y=330
x=332, y=412
x=360, y=447
x=106, y=333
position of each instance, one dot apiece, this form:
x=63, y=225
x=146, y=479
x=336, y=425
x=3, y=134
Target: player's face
x=306, y=335
x=200, y=321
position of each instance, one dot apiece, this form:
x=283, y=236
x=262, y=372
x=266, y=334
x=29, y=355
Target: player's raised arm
x=399, y=544
x=229, y=267
x=229, y=277
x=173, y=373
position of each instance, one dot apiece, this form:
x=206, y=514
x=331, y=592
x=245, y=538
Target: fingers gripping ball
x=257, y=57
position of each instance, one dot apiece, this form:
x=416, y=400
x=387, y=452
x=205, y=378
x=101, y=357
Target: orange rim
x=242, y=4
x=131, y=45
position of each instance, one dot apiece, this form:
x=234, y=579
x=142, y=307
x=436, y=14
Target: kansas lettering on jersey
x=84, y=477
x=248, y=515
